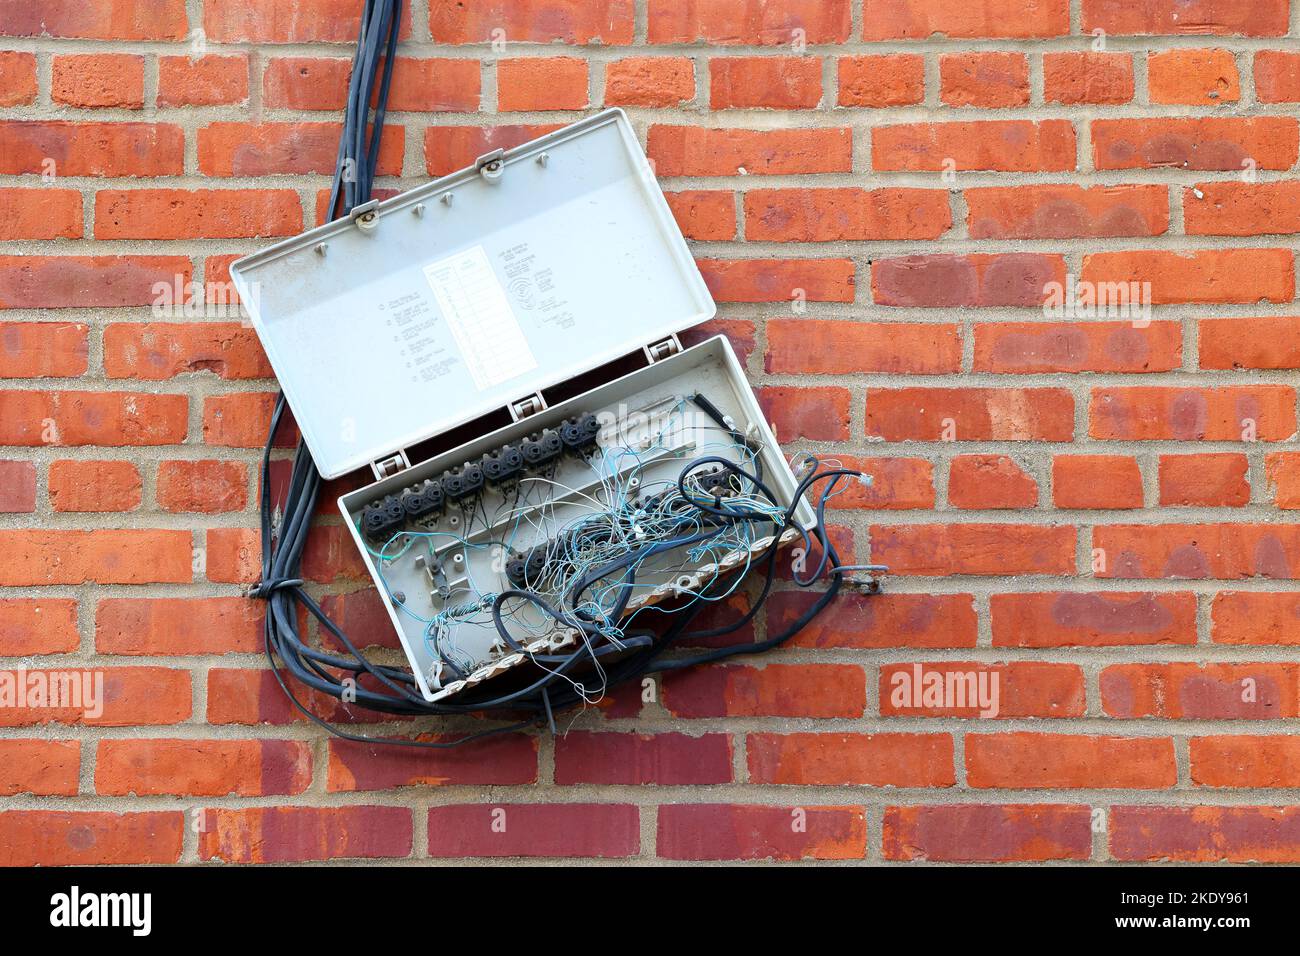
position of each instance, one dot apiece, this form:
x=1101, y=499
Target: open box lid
x=472, y=292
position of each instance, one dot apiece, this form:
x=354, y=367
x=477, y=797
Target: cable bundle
x=588, y=574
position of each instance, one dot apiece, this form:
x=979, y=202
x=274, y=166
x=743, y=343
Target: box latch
x=365, y=215
x=387, y=467
x=657, y=351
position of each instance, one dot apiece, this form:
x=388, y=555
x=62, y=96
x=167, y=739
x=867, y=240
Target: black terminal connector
x=578, y=434
x=541, y=449
x=380, y=520
x=715, y=482
x=458, y=483
x=423, y=500
x=503, y=464
x=525, y=570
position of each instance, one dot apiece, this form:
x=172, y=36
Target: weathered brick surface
x=906, y=210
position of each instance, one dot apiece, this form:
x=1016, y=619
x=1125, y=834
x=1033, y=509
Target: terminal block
x=503, y=464
x=423, y=500
x=458, y=483
x=379, y=521
x=541, y=449
x=578, y=434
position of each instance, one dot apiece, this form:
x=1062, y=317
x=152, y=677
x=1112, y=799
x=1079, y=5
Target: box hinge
x=490, y=165
x=387, y=467
x=656, y=351
x=525, y=407
x=365, y=215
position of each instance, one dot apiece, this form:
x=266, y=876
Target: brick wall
x=1095, y=510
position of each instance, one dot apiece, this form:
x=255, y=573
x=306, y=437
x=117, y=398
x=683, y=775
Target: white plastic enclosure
x=471, y=292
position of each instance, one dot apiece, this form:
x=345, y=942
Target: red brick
x=575, y=830
x=1191, y=17
x=94, y=486
x=1195, y=142
x=98, y=79
x=896, y=484
x=499, y=761
x=668, y=759
x=1206, y=834
x=919, y=19
x=17, y=78
x=817, y=414
x=896, y=79
x=362, y=616
x=1283, y=472
x=267, y=149
x=1188, y=691
x=980, y=833
x=1265, y=342
x=1074, y=77
x=131, y=696
x=63, y=419
x=63, y=148
x=43, y=349
x=828, y=215
x=777, y=690
x=331, y=555
x=990, y=481
x=1198, y=77
x=1205, y=275
x=106, y=20
x=1193, y=413
x=765, y=22
x=978, y=279
x=44, y=768
x=1027, y=761
x=205, y=768
x=838, y=760
x=418, y=85
x=17, y=487
x=739, y=332
x=294, y=834
x=90, y=838
x=180, y=626
x=137, y=556
x=43, y=213
x=38, y=626
x=1277, y=76
x=650, y=81
x=778, y=280
x=999, y=145
x=1097, y=619
x=1255, y=617
x=875, y=621
x=254, y=697
x=162, y=350
x=1222, y=551
x=542, y=83
x=196, y=214
x=975, y=414
x=1023, y=689
x=202, y=81
x=88, y=282
x=836, y=347
x=695, y=151
x=239, y=420
x=1241, y=761
x=1072, y=346
x=205, y=487
x=718, y=831
x=286, y=21
x=607, y=22
x=1242, y=209
x=1213, y=480
x=996, y=549
x=233, y=555
x=986, y=79
x=768, y=82
x=704, y=213
x=1066, y=211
